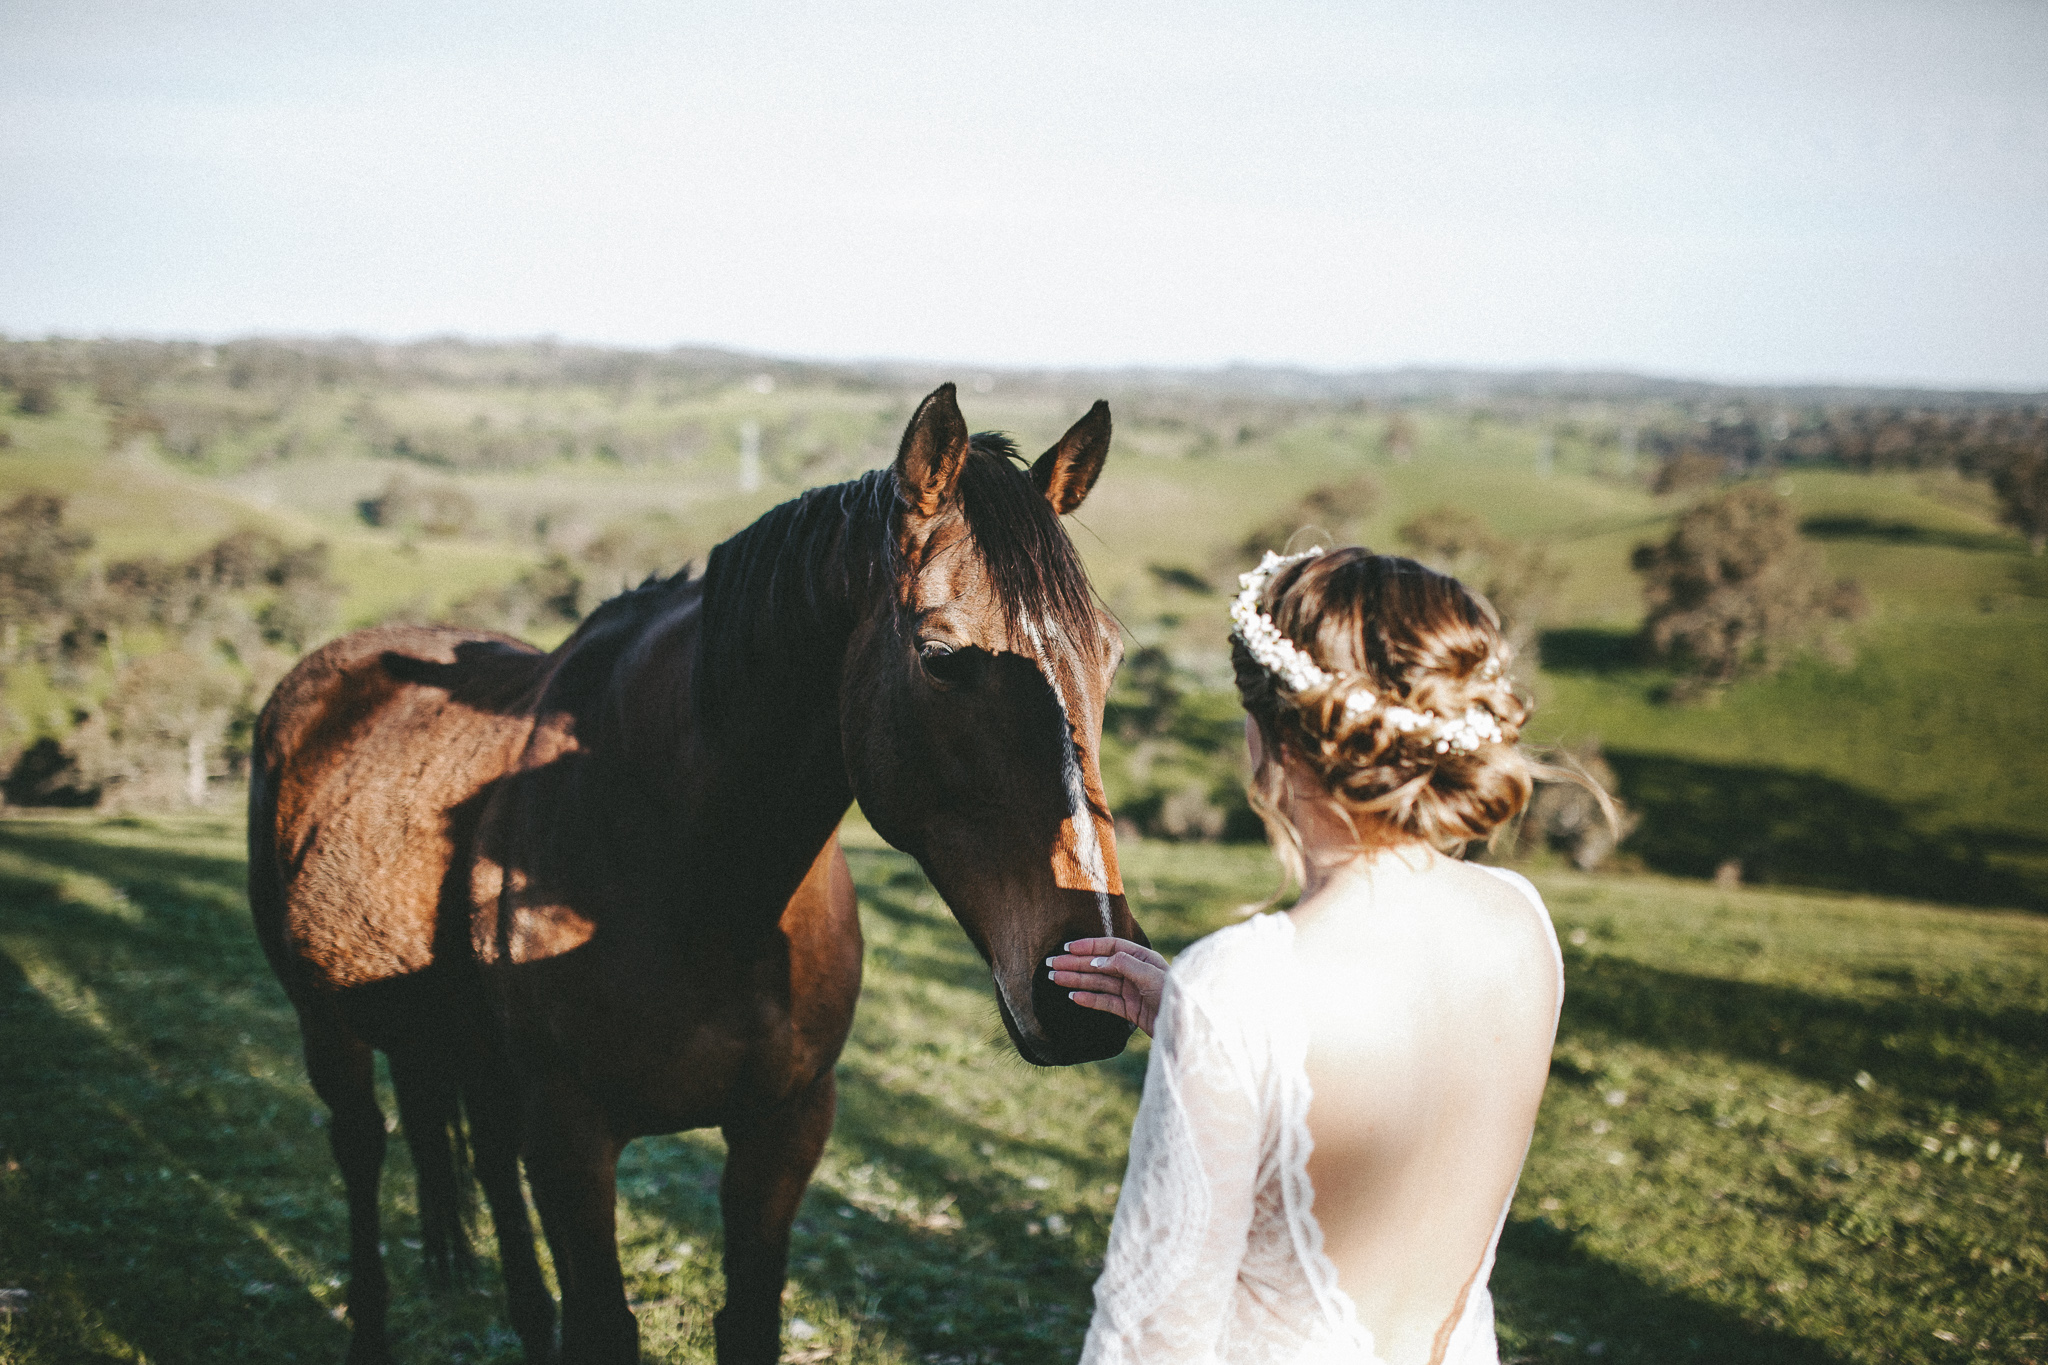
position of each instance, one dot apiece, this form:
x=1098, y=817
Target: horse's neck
x=754, y=769
x=774, y=771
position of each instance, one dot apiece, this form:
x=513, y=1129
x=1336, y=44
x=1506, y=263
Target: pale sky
x=1835, y=190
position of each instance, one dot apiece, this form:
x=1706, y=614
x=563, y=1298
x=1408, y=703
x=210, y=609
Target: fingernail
x=1098, y=962
x=1074, y=996
x=1069, y=946
x=1049, y=961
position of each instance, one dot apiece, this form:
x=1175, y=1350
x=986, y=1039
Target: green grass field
x=1781, y=1127
x=1801, y=1120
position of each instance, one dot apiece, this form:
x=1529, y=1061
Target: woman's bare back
x=1339, y=1099
x=1431, y=990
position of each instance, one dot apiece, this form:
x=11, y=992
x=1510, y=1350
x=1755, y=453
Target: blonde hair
x=1418, y=641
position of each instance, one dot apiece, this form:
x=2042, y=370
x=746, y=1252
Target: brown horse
x=596, y=894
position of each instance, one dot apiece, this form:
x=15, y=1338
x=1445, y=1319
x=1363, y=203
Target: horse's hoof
x=746, y=1346
x=535, y=1325
x=363, y=1350
x=614, y=1342
x=540, y=1348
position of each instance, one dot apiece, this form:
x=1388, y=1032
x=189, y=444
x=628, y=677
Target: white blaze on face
x=1087, y=840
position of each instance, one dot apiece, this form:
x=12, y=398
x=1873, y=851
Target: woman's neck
x=1332, y=856
x=1332, y=869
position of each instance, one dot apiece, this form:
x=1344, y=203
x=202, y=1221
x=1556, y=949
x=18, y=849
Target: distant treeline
x=119, y=369
x=1973, y=440
x=446, y=404
x=189, y=396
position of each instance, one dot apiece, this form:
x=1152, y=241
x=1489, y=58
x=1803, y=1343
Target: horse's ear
x=933, y=453
x=1066, y=472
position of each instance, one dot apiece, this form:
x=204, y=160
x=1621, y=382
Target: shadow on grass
x=1544, y=1284
x=1003, y=1287
x=182, y=890
x=168, y=1197
x=164, y=1188
x=1905, y=533
x=116, y=1214
x=1804, y=829
x=1590, y=650
x=1986, y=1061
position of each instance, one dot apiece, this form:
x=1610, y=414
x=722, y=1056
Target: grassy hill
x=1792, y=1129
x=1799, y=1121
x=1921, y=767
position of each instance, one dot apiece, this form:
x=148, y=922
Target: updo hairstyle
x=1413, y=638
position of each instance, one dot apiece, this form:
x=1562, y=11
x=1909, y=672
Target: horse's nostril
x=1075, y=1032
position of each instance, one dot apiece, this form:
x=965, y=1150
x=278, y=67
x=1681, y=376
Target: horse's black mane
x=787, y=586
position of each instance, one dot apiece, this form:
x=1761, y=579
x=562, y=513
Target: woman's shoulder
x=1503, y=934
x=1232, y=965
x=1233, y=945
x=1517, y=881
x=1467, y=930
x=1223, y=996
x=1508, y=898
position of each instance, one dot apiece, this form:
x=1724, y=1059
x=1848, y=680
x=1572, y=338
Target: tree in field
x=2021, y=482
x=40, y=575
x=1399, y=439
x=1689, y=471
x=38, y=557
x=164, y=719
x=1736, y=590
x=246, y=588
x=1521, y=581
x=438, y=509
x=217, y=631
x=36, y=397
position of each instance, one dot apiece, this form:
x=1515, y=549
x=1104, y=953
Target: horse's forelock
x=1033, y=570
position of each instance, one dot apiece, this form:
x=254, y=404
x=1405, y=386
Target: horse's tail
x=430, y=1112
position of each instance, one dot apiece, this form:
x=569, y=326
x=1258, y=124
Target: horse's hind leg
x=341, y=1066
x=494, y=1134
x=768, y=1163
x=572, y=1161
x=430, y=1116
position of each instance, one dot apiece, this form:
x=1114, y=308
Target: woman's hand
x=1114, y=975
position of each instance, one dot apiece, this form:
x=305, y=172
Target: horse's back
x=371, y=759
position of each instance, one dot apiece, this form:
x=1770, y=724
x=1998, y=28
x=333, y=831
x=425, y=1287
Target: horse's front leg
x=769, y=1160
x=572, y=1162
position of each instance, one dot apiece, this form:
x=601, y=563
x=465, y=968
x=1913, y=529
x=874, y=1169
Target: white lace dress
x=1215, y=1257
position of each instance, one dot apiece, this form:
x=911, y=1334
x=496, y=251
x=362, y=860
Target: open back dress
x=1215, y=1257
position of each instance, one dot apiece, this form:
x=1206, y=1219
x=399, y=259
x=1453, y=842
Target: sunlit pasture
x=1781, y=1127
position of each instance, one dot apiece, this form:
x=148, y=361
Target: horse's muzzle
x=1068, y=1033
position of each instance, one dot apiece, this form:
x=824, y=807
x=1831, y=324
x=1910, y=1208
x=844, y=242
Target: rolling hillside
x=1918, y=767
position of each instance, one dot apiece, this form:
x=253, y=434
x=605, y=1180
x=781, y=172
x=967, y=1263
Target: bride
x=1340, y=1096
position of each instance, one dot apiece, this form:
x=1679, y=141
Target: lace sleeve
x=1181, y=1222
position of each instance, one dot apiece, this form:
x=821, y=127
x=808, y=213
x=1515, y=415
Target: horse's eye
x=946, y=664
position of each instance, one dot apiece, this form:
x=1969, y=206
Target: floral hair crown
x=1299, y=672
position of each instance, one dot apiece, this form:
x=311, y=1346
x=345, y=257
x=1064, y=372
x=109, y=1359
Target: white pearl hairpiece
x=1298, y=672
x=1276, y=653
x=1467, y=732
